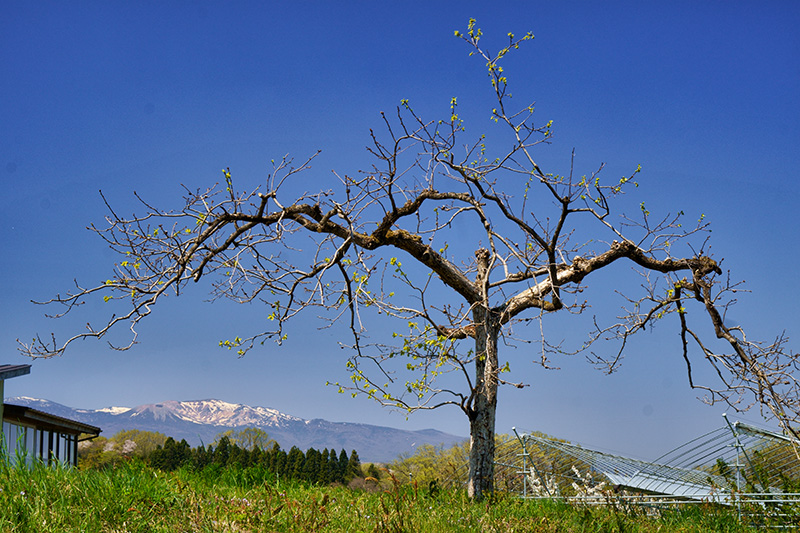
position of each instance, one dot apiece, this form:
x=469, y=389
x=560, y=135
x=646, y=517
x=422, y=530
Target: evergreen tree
x=341, y=467
x=160, y=456
x=324, y=474
x=171, y=456
x=271, y=459
x=280, y=461
x=353, y=467
x=169, y=461
x=256, y=457
x=183, y=453
x=295, y=461
x=312, y=470
x=223, y=451
x=237, y=457
x=332, y=467
x=202, y=456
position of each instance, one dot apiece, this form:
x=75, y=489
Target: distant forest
x=245, y=448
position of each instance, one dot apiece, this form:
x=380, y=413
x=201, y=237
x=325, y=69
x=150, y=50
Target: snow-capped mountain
x=214, y=413
x=200, y=421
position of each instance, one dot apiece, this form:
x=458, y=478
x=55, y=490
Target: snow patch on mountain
x=215, y=413
x=109, y=410
x=219, y=413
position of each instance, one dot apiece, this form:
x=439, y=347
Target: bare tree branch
x=429, y=190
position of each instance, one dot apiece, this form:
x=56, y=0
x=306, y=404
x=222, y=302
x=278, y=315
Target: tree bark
x=484, y=406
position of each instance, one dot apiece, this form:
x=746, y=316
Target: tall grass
x=134, y=497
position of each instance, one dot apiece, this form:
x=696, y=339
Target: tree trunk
x=482, y=412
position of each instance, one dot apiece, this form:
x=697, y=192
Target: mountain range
x=200, y=421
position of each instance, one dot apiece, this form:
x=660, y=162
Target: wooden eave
x=28, y=416
x=12, y=371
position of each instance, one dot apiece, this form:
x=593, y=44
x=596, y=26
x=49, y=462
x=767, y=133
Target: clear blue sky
x=147, y=97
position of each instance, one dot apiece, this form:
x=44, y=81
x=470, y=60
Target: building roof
x=33, y=417
x=12, y=371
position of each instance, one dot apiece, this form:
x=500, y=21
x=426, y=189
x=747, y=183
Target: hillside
x=200, y=421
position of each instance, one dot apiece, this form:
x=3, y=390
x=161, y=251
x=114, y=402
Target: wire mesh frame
x=753, y=469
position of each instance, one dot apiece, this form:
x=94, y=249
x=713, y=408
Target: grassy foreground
x=135, y=497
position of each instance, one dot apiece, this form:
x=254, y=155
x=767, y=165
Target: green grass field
x=135, y=497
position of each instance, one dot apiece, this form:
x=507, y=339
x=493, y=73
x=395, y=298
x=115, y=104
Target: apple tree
x=460, y=238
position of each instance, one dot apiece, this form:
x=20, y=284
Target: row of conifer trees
x=326, y=466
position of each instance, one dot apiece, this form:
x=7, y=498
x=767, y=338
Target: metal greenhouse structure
x=753, y=469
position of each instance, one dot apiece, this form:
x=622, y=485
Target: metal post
x=524, y=466
x=755, y=472
x=533, y=467
x=738, y=465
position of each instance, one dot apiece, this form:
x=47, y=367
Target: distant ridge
x=200, y=421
